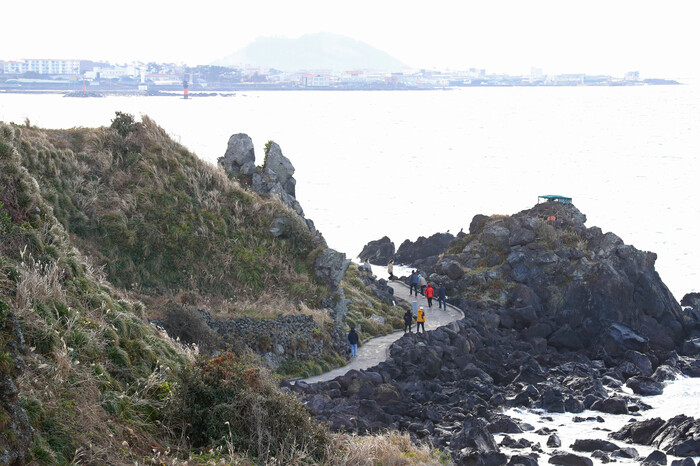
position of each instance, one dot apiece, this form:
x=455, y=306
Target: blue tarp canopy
x=555, y=198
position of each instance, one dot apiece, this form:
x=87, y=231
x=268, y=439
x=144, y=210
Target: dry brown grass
x=268, y=305
x=391, y=448
x=388, y=449
x=39, y=282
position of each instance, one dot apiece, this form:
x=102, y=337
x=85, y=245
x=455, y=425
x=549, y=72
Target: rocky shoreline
x=558, y=317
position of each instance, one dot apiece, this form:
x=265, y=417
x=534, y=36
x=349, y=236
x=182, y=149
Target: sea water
x=412, y=163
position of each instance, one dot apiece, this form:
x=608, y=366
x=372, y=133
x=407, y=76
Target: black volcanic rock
x=409, y=252
x=569, y=459
x=553, y=441
x=641, y=432
x=655, y=457
x=692, y=302
x=590, y=290
x=645, y=386
x=552, y=324
x=378, y=252
x=679, y=436
x=593, y=444
x=612, y=405
x=474, y=444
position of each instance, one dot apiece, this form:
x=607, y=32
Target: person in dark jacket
x=430, y=294
x=442, y=297
x=407, y=321
x=353, y=339
x=413, y=283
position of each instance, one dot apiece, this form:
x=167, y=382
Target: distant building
x=164, y=79
x=111, y=73
x=315, y=80
x=632, y=76
x=56, y=67
x=14, y=67
x=536, y=75
x=476, y=73
x=568, y=79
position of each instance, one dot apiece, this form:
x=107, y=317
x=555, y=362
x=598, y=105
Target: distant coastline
x=231, y=90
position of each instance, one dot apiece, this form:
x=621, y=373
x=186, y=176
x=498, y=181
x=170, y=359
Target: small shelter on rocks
x=553, y=200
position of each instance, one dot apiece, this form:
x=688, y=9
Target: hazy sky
x=657, y=38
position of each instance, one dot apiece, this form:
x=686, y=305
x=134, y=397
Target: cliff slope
x=84, y=377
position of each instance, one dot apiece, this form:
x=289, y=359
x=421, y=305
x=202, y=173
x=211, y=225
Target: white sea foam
x=681, y=396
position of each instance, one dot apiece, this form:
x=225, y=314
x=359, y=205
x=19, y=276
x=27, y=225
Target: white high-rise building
x=43, y=66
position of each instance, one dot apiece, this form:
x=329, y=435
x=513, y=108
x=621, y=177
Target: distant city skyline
x=597, y=37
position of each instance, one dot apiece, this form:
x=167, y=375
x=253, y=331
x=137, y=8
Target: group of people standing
x=417, y=280
x=408, y=320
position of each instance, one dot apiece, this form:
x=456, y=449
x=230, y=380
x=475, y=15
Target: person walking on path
x=353, y=340
x=442, y=297
x=407, y=321
x=413, y=282
x=430, y=294
x=420, y=320
x=423, y=283
x=390, y=269
x=366, y=266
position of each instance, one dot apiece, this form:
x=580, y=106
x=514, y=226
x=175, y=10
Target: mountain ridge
x=317, y=51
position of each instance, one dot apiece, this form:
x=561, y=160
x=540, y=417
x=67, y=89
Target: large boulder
x=378, y=252
x=679, y=436
x=641, y=432
x=451, y=268
x=330, y=266
x=282, y=167
x=474, y=444
x=410, y=252
x=612, y=405
x=569, y=459
x=239, y=158
x=645, y=386
x=593, y=445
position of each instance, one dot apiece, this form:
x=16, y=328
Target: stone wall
x=290, y=337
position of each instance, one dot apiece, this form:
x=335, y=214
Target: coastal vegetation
x=103, y=230
x=370, y=315
x=159, y=220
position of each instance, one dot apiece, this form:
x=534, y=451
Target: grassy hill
x=100, y=227
x=159, y=220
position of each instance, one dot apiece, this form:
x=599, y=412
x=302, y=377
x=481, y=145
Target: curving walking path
x=374, y=351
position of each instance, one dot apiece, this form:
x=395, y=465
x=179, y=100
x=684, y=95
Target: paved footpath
x=374, y=351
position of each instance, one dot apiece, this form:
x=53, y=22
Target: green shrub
x=44, y=340
x=268, y=144
x=5, y=150
x=123, y=123
x=231, y=400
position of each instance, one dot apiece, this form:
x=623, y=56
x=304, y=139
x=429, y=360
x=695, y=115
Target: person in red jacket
x=430, y=294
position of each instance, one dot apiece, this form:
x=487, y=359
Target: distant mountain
x=312, y=51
